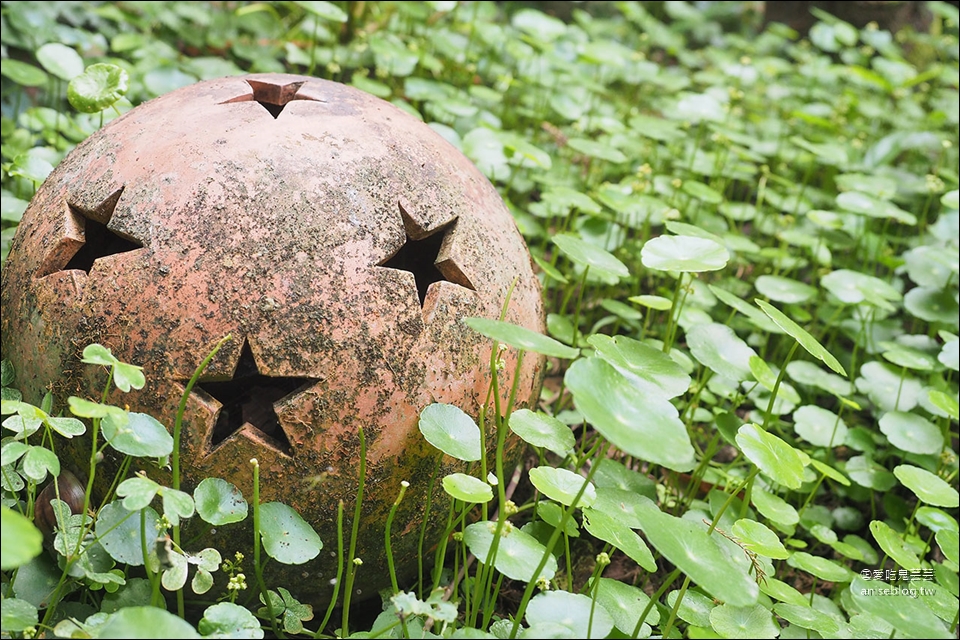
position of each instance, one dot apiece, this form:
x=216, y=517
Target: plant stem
x=175, y=456
x=257, y=567
x=355, y=527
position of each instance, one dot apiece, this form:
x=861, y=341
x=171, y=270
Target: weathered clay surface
x=338, y=239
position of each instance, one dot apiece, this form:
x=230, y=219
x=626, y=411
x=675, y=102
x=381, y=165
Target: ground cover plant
x=748, y=243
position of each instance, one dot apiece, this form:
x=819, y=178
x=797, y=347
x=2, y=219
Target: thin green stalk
x=551, y=543
x=352, y=561
x=257, y=568
x=776, y=386
x=175, y=456
x=653, y=600
x=144, y=550
x=181, y=410
x=502, y=429
x=423, y=527
x=729, y=501
x=336, y=581
x=665, y=632
x=386, y=536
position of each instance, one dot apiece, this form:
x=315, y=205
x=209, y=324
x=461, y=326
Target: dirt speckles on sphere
x=338, y=239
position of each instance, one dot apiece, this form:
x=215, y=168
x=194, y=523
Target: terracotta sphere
x=338, y=239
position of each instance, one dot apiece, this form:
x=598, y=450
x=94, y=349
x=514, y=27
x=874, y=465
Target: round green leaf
x=683, y=253
x=520, y=337
x=775, y=458
x=783, y=592
x=38, y=462
x=932, y=305
x=695, y=607
x=552, y=513
x=930, y=488
x=806, y=340
x=596, y=149
x=820, y=567
x=863, y=204
x=219, y=502
x=60, y=60
x=562, y=485
x=830, y=472
x=947, y=405
x=828, y=153
x=607, y=528
x=894, y=546
x=806, y=617
x=286, y=537
x=98, y=87
x=701, y=191
x=910, y=358
x=910, y=616
x=127, y=376
x=819, y=426
x=67, y=427
x=176, y=505
x=324, y=10
x=20, y=540
x=550, y=270
x=911, y=432
x=538, y=25
x=518, y=553
x=950, y=355
x=31, y=166
x=642, y=363
x=609, y=401
x=575, y=611
x=600, y=262
x=867, y=473
x=853, y=287
x=931, y=266
x=948, y=540
x=696, y=107
x=23, y=73
x=16, y=615
x=774, y=508
x=137, y=492
x=541, y=430
x=141, y=436
x=229, y=620
x=786, y=290
x=146, y=622
x=759, y=539
x=889, y=389
x=720, y=349
x=654, y=302
x=687, y=545
x=936, y=519
x=119, y=532
x=467, y=488
x=624, y=603
x=449, y=429
x=754, y=621
x=951, y=199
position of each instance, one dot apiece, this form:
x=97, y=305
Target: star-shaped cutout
x=272, y=96
x=248, y=402
x=420, y=255
x=87, y=238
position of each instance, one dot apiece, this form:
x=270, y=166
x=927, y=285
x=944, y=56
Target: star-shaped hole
x=271, y=96
x=248, y=401
x=87, y=238
x=420, y=255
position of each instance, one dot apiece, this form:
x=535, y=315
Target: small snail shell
x=71, y=492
